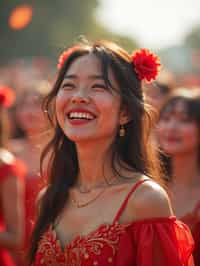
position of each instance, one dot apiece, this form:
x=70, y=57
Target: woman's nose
x=80, y=97
x=172, y=124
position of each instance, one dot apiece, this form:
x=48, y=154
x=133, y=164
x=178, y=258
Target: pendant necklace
x=85, y=191
x=81, y=205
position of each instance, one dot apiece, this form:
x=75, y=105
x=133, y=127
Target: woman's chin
x=80, y=138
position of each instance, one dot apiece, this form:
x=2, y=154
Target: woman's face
x=85, y=108
x=30, y=115
x=177, y=132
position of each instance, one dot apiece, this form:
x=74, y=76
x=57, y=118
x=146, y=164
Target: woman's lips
x=80, y=112
x=80, y=116
x=78, y=122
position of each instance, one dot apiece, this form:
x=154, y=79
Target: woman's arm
x=12, y=195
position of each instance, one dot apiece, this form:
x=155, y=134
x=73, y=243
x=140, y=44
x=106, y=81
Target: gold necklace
x=81, y=205
x=84, y=190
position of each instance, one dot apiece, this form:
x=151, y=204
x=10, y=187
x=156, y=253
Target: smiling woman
x=103, y=194
x=178, y=134
x=85, y=108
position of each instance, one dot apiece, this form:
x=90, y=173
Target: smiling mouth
x=80, y=116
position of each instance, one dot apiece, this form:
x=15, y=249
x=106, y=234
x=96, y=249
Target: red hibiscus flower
x=7, y=96
x=146, y=64
x=63, y=57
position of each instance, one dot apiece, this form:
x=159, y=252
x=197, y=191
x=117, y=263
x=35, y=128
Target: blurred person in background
x=103, y=205
x=12, y=172
x=157, y=91
x=178, y=133
x=31, y=136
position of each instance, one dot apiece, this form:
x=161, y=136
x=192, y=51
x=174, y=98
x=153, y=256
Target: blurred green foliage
x=55, y=25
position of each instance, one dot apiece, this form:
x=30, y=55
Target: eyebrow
x=94, y=76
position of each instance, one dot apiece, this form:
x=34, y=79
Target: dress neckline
x=107, y=226
x=115, y=220
x=114, y=223
x=83, y=237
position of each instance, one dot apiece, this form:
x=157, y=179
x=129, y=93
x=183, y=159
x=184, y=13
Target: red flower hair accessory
x=63, y=57
x=146, y=64
x=7, y=96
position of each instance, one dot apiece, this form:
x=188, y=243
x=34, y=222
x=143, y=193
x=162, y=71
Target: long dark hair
x=134, y=149
x=190, y=97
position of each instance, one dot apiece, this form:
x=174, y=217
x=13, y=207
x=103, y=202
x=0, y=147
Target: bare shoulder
x=6, y=157
x=39, y=198
x=150, y=200
x=41, y=194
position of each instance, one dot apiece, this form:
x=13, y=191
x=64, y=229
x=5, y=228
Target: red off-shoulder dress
x=16, y=169
x=150, y=242
x=193, y=221
x=33, y=184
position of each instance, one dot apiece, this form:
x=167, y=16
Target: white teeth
x=80, y=115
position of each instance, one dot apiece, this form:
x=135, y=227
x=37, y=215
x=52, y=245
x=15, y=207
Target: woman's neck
x=185, y=170
x=94, y=163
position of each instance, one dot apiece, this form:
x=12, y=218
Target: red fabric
x=17, y=169
x=151, y=242
x=33, y=187
x=193, y=221
x=196, y=235
x=33, y=184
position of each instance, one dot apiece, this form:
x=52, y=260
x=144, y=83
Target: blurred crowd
x=24, y=132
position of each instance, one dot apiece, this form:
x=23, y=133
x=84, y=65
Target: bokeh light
x=20, y=17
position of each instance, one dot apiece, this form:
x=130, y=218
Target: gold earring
x=122, y=131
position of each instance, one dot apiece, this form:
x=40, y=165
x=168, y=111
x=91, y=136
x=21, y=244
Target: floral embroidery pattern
x=49, y=252
x=82, y=248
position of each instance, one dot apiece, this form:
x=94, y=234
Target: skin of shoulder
x=41, y=194
x=6, y=157
x=149, y=200
x=39, y=198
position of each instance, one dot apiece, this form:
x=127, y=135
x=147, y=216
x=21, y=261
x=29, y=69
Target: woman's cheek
x=61, y=100
x=106, y=103
x=60, y=105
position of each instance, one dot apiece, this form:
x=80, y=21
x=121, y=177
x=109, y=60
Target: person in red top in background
x=31, y=121
x=12, y=172
x=103, y=205
x=178, y=135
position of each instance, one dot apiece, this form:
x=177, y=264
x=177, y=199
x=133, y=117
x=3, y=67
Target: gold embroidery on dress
x=81, y=248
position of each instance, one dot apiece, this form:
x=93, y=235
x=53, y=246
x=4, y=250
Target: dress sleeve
x=17, y=169
x=163, y=241
x=156, y=242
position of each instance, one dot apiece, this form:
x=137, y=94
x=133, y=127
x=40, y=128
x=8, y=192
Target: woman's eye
x=68, y=86
x=99, y=86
